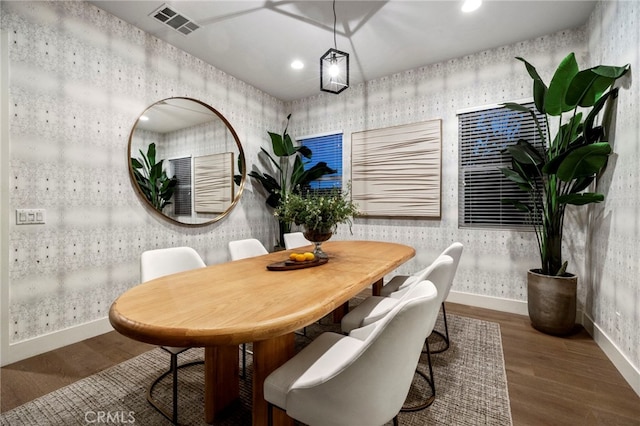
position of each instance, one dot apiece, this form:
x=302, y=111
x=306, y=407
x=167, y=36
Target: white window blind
x=181, y=168
x=327, y=148
x=483, y=136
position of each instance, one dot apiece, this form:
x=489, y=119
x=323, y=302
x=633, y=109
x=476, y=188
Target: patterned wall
x=80, y=77
x=494, y=262
x=613, y=294
x=78, y=80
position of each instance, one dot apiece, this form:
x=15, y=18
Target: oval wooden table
x=224, y=305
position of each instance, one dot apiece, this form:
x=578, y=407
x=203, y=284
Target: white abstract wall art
x=213, y=182
x=396, y=171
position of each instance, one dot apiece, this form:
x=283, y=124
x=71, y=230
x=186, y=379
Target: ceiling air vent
x=175, y=20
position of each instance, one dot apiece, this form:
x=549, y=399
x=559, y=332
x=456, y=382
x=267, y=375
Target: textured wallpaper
x=494, y=263
x=613, y=294
x=79, y=78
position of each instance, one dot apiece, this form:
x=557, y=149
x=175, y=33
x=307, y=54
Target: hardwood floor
x=552, y=380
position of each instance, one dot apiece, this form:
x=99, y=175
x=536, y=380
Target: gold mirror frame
x=199, y=109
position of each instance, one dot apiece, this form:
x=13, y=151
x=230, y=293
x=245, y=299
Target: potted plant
x=559, y=174
x=152, y=179
x=288, y=174
x=318, y=213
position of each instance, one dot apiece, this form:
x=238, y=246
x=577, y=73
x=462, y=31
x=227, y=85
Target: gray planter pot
x=552, y=302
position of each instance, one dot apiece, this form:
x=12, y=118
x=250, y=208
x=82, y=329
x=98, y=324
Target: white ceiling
x=256, y=41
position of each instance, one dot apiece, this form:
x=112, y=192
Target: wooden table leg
x=340, y=312
x=221, y=386
x=376, y=287
x=267, y=356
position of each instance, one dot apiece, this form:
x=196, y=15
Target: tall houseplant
x=559, y=174
x=288, y=174
x=152, y=179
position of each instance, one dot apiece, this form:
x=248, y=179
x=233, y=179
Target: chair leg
x=429, y=400
x=395, y=421
x=244, y=360
x=173, y=370
x=445, y=336
x=269, y=414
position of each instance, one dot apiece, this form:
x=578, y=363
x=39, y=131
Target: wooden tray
x=289, y=265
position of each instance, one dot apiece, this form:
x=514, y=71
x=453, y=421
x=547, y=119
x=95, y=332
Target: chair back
x=369, y=385
x=160, y=262
x=294, y=240
x=242, y=249
x=438, y=273
x=455, y=251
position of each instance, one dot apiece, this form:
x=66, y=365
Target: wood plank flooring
x=552, y=380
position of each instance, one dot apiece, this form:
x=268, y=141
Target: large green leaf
x=584, y=161
x=525, y=153
x=586, y=88
x=151, y=154
x=539, y=88
x=554, y=103
x=580, y=184
x=593, y=134
x=581, y=199
x=589, y=85
x=135, y=163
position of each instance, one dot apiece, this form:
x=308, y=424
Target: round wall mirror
x=186, y=161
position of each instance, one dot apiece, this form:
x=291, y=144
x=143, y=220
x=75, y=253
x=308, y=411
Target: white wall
x=612, y=288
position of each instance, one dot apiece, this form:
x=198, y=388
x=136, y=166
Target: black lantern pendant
x=334, y=66
x=334, y=71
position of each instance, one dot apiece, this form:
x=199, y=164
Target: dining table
x=223, y=305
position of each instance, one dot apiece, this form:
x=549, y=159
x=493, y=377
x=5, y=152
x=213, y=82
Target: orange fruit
x=292, y=256
x=309, y=256
x=300, y=258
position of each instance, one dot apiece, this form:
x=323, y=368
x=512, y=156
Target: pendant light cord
x=335, y=44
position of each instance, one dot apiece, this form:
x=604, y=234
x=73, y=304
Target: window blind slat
x=182, y=195
x=483, y=137
x=327, y=148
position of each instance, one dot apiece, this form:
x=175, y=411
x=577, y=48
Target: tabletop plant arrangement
x=318, y=213
x=558, y=175
x=287, y=174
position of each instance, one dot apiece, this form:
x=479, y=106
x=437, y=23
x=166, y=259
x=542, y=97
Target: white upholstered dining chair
x=375, y=307
x=156, y=264
x=242, y=249
x=295, y=239
x=250, y=247
x=363, y=378
x=399, y=281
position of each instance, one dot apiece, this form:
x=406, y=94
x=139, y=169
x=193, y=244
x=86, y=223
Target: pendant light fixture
x=334, y=65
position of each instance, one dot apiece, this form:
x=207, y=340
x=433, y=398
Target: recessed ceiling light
x=144, y=118
x=297, y=65
x=471, y=5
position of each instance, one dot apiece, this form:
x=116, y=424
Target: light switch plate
x=30, y=216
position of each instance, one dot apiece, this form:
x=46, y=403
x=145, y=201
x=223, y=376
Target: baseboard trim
x=496, y=303
x=623, y=364
x=48, y=342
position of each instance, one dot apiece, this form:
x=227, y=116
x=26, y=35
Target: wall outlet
x=30, y=216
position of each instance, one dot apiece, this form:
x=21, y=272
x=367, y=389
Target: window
x=181, y=169
x=327, y=148
x=483, y=136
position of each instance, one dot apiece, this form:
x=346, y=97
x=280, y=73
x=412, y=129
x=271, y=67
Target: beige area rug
x=471, y=387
